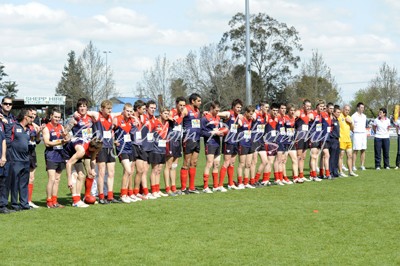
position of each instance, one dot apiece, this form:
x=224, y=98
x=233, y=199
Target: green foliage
x=7, y=88
x=273, y=46
x=383, y=91
x=71, y=83
x=315, y=83
x=178, y=88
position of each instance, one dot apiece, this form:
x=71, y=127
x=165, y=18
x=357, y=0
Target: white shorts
x=359, y=141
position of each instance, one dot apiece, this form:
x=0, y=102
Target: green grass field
x=348, y=221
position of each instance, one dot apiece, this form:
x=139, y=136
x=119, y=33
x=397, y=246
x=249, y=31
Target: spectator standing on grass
x=397, y=124
x=382, y=139
x=359, y=135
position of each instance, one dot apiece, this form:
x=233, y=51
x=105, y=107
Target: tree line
x=87, y=76
x=217, y=71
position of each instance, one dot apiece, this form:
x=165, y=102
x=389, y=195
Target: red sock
x=192, y=176
x=321, y=172
x=281, y=176
x=257, y=177
x=231, y=172
x=313, y=173
x=88, y=185
x=130, y=192
x=76, y=199
x=301, y=175
x=240, y=180
x=145, y=191
x=110, y=195
x=230, y=176
x=222, y=174
x=30, y=190
x=101, y=196
x=153, y=188
x=54, y=199
x=205, y=180
x=276, y=176
x=124, y=192
x=327, y=172
x=252, y=181
x=184, y=174
x=286, y=178
x=167, y=189
x=295, y=177
x=49, y=201
x=173, y=188
x=215, y=180
x=246, y=180
x=158, y=187
x=266, y=176
x=135, y=191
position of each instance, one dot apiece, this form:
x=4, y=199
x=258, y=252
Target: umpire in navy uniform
x=19, y=159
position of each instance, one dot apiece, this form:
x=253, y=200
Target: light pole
x=248, y=62
x=107, y=52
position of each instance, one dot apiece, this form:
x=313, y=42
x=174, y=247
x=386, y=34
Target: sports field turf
x=347, y=221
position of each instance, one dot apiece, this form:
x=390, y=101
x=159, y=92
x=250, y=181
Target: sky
x=354, y=37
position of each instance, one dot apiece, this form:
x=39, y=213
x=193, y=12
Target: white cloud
x=32, y=14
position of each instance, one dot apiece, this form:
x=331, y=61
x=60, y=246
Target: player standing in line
x=174, y=145
x=258, y=147
x=302, y=135
x=230, y=141
x=359, y=135
x=54, y=138
x=122, y=125
x=211, y=131
x=315, y=140
x=191, y=143
x=158, y=156
x=323, y=130
x=290, y=147
x=147, y=135
x=244, y=148
x=334, y=149
x=34, y=140
x=140, y=155
x=270, y=140
x=82, y=132
x=106, y=158
x=281, y=157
